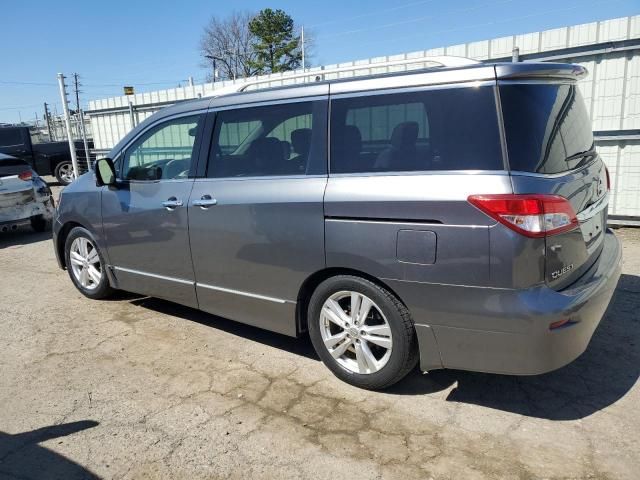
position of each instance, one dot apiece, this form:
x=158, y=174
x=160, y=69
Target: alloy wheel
x=85, y=263
x=66, y=172
x=355, y=332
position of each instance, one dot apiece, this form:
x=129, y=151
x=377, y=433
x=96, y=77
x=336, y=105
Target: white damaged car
x=24, y=196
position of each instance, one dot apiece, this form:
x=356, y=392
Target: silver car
x=24, y=197
x=453, y=216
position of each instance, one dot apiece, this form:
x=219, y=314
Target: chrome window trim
x=413, y=88
x=244, y=294
x=153, y=275
x=556, y=175
x=267, y=103
x=538, y=81
x=172, y=180
x=259, y=177
x=420, y=173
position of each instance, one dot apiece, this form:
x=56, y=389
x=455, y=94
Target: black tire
x=103, y=288
x=58, y=172
x=404, y=352
x=40, y=224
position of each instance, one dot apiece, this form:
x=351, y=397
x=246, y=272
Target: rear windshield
x=10, y=136
x=547, y=127
x=11, y=166
x=444, y=129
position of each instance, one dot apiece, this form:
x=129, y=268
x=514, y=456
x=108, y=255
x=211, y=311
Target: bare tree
x=228, y=44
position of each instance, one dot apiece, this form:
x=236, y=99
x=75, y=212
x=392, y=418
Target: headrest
x=405, y=135
x=266, y=147
x=301, y=140
x=352, y=138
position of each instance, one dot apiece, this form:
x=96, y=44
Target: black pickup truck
x=48, y=158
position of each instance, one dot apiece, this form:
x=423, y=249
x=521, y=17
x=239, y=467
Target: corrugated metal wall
x=609, y=49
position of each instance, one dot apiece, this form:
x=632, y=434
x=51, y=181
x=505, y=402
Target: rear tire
x=64, y=172
x=85, y=265
x=373, y=349
x=40, y=224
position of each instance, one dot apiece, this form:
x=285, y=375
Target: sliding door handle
x=172, y=203
x=205, y=202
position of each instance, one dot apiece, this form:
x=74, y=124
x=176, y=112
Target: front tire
x=64, y=172
x=86, y=265
x=362, y=332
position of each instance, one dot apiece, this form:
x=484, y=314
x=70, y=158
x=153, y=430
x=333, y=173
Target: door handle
x=172, y=203
x=205, y=202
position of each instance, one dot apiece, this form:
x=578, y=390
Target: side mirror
x=105, y=172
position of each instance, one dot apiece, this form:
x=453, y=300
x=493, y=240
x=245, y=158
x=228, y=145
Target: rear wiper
x=587, y=153
x=585, y=156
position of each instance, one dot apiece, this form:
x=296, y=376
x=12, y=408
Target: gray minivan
x=455, y=216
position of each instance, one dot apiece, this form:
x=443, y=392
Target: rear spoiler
x=540, y=70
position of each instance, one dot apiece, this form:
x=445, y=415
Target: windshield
x=547, y=127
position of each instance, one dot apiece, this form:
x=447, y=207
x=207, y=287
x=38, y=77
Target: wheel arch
x=311, y=283
x=62, y=239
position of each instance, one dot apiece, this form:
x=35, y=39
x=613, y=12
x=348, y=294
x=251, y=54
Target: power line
x=494, y=22
x=414, y=20
x=21, y=107
x=369, y=14
x=44, y=84
x=14, y=82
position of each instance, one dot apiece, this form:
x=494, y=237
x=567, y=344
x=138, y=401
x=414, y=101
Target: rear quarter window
x=430, y=130
x=547, y=127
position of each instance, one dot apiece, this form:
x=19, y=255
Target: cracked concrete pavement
x=137, y=387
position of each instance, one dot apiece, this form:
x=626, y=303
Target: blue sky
x=154, y=44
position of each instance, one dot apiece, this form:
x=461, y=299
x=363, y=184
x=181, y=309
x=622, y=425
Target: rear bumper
x=18, y=214
x=507, y=331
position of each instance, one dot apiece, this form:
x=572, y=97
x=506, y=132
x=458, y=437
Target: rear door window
x=547, y=127
x=443, y=129
x=270, y=140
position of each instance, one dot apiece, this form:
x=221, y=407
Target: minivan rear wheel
x=362, y=332
x=86, y=265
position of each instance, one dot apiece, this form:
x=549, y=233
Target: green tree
x=276, y=46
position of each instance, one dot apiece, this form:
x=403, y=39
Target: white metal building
x=609, y=49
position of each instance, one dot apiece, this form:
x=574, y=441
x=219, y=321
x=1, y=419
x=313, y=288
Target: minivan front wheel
x=362, y=332
x=86, y=265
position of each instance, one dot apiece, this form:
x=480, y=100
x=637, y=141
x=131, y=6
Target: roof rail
x=440, y=61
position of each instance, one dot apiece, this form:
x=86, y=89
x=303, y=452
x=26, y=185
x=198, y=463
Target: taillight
x=26, y=175
x=531, y=215
x=608, y=179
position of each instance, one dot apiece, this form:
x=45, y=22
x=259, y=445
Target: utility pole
x=213, y=59
x=80, y=114
x=47, y=119
x=67, y=121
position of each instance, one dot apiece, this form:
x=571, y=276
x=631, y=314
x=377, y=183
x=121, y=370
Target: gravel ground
x=141, y=388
